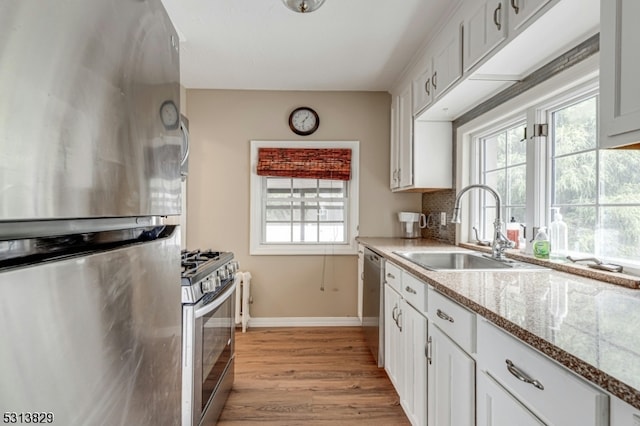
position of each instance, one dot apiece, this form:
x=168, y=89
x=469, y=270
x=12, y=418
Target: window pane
x=619, y=233
x=518, y=213
x=310, y=211
x=575, y=179
x=332, y=233
x=619, y=177
x=277, y=233
x=497, y=181
x=516, y=176
x=331, y=212
x=278, y=187
x=516, y=147
x=494, y=149
x=581, y=225
x=310, y=233
x=277, y=211
x=574, y=127
x=332, y=188
x=305, y=187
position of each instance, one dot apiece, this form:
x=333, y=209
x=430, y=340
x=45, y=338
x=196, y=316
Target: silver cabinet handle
x=514, y=5
x=427, y=86
x=496, y=16
x=390, y=275
x=410, y=290
x=520, y=375
x=398, y=322
x=393, y=314
x=434, y=80
x=428, y=350
x=444, y=316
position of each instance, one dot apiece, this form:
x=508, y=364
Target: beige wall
x=222, y=122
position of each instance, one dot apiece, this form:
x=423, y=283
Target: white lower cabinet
x=497, y=407
x=451, y=377
x=623, y=414
x=554, y=394
x=414, y=394
x=393, y=361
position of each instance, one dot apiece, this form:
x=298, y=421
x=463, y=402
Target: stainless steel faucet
x=500, y=242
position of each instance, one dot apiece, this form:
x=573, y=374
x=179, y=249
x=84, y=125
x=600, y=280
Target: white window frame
x=531, y=103
x=475, y=215
x=257, y=247
x=537, y=104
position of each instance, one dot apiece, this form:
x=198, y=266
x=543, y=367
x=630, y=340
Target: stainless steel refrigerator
x=90, y=163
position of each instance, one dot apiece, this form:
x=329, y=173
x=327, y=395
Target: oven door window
x=217, y=329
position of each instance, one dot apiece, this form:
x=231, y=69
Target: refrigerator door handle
x=185, y=142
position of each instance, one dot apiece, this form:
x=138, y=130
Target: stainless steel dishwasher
x=373, y=304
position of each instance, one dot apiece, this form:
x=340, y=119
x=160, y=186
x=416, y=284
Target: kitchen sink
x=464, y=261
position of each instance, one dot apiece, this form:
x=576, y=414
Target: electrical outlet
x=443, y=218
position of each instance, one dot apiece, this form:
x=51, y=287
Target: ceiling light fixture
x=303, y=6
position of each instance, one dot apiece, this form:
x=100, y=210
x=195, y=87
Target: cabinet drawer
x=456, y=321
x=414, y=292
x=393, y=276
x=551, y=391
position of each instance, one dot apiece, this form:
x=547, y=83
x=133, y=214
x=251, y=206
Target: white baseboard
x=304, y=322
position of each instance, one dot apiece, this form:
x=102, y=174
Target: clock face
x=169, y=115
x=304, y=121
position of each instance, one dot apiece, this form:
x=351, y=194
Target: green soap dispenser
x=541, y=244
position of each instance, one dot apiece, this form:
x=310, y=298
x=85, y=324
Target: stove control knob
x=208, y=286
x=223, y=274
x=216, y=281
x=233, y=267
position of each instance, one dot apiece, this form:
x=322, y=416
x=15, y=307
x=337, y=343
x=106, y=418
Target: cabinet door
x=484, y=29
x=395, y=143
x=414, y=395
x=497, y=407
x=520, y=11
x=422, y=91
x=623, y=414
x=392, y=337
x=447, y=62
x=619, y=73
x=451, y=377
x=405, y=157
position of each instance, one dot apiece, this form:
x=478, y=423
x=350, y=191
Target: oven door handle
x=217, y=302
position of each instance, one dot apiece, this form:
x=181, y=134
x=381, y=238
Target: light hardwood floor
x=309, y=376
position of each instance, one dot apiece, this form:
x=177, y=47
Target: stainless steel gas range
x=208, y=333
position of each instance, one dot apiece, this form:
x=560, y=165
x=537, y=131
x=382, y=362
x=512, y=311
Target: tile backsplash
x=433, y=203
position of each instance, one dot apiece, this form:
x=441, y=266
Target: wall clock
x=304, y=121
x=169, y=115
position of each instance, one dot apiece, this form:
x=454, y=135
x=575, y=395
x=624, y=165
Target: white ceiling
x=260, y=44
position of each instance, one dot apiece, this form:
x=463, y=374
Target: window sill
x=304, y=250
x=621, y=279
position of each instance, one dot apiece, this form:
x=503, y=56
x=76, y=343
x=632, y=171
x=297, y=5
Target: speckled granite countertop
x=590, y=327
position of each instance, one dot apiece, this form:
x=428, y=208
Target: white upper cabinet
x=447, y=58
x=619, y=73
x=401, y=165
x=484, y=29
x=422, y=91
x=415, y=145
x=520, y=11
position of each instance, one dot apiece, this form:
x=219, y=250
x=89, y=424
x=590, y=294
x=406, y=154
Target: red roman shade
x=306, y=163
